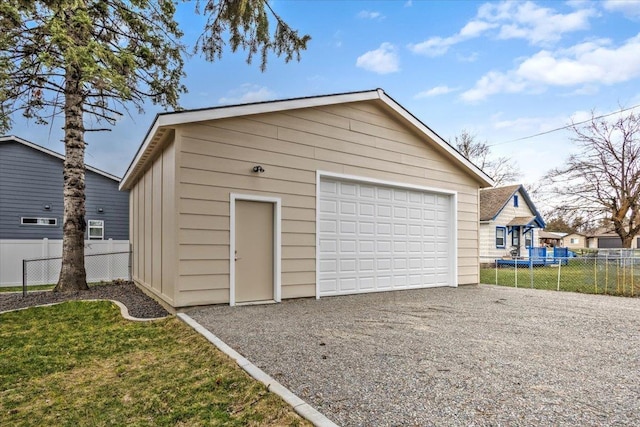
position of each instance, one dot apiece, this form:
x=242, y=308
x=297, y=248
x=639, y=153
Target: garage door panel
x=328, y=226
x=366, y=209
x=367, y=247
x=374, y=238
x=367, y=192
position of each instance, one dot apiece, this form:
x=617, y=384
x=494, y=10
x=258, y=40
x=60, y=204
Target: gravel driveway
x=480, y=355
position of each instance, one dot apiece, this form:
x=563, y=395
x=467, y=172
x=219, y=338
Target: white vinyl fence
x=12, y=252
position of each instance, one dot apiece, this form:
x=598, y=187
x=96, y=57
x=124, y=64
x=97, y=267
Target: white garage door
x=376, y=238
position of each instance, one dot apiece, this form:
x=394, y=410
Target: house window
x=38, y=221
x=515, y=201
x=500, y=237
x=96, y=229
x=528, y=239
x=574, y=241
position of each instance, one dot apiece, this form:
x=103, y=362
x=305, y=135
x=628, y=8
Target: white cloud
x=437, y=46
x=434, y=46
x=592, y=63
x=630, y=8
x=370, y=14
x=492, y=83
x=474, y=29
x=438, y=90
x=247, y=93
x=586, y=64
x=538, y=25
x=383, y=60
x=510, y=20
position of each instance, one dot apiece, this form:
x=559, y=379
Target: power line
x=564, y=127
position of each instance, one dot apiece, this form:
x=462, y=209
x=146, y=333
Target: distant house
x=550, y=238
x=608, y=239
x=508, y=222
x=576, y=241
x=31, y=200
x=31, y=210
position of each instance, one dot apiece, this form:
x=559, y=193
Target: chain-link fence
x=603, y=271
x=103, y=267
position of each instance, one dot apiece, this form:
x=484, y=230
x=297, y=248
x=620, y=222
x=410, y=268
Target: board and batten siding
x=30, y=179
x=153, y=226
x=216, y=158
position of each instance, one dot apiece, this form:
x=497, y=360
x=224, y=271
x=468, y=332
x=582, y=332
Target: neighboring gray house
x=31, y=200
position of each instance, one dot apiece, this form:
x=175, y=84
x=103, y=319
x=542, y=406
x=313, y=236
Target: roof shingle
x=492, y=200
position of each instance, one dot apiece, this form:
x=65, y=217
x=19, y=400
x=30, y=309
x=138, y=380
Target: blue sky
x=501, y=70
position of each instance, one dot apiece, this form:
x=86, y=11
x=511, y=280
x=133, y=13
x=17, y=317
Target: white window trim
x=89, y=227
x=504, y=237
x=530, y=238
x=277, y=246
x=453, y=232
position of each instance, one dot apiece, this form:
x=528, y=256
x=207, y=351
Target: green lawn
x=47, y=287
x=29, y=288
x=80, y=363
x=580, y=275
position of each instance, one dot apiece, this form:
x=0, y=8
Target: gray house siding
x=31, y=179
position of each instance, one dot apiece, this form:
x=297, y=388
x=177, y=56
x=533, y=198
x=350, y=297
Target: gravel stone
x=472, y=356
x=137, y=302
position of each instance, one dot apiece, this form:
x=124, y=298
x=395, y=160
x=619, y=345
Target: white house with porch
x=509, y=222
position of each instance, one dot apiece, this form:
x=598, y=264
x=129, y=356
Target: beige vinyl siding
x=153, y=226
x=361, y=139
x=580, y=244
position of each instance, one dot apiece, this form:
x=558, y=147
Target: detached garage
x=307, y=197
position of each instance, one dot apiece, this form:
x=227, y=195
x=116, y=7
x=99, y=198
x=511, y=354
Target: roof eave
x=168, y=120
x=484, y=179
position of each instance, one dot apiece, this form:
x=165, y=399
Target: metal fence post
x=531, y=270
x=24, y=277
x=606, y=273
x=559, y=268
x=595, y=273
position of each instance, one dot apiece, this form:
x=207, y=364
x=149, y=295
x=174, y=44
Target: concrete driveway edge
x=300, y=406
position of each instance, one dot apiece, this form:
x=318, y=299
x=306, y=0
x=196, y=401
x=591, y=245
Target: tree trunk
x=627, y=241
x=73, y=276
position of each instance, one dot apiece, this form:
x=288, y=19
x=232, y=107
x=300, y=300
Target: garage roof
x=166, y=121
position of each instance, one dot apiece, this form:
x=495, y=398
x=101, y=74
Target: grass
x=29, y=288
x=580, y=275
x=47, y=287
x=81, y=363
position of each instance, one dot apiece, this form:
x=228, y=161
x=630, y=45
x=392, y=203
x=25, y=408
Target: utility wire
x=564, y=127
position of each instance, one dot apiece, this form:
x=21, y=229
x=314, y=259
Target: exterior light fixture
x=100, y=210
x=258, y=169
